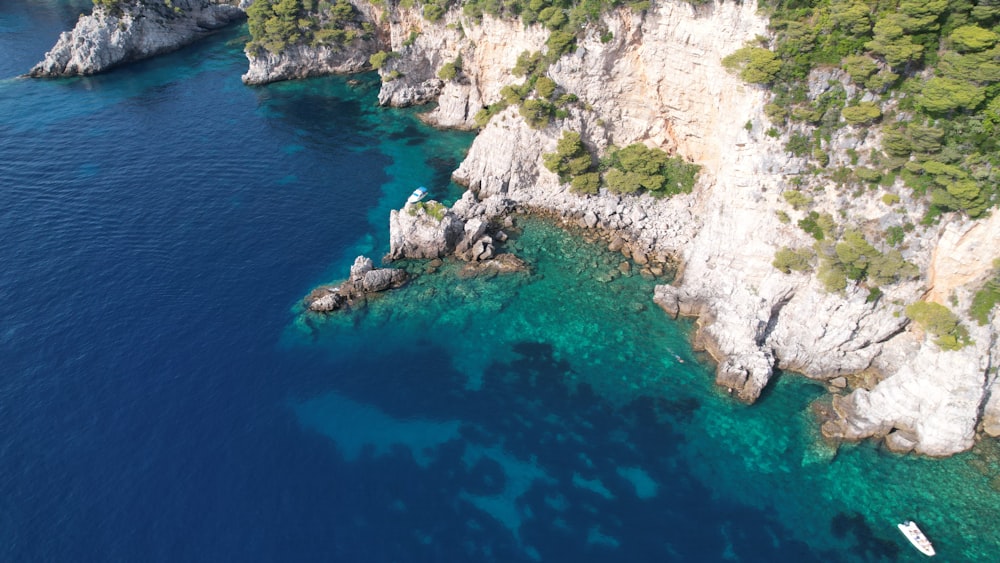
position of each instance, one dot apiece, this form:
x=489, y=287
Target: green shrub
x=986, y=298
x=570, y=159
x=940, y=95
x=890, y=199
x=868, y=175
x=810, y=224
x=379, y=59
x=972, y=38
x=861, y=114
x=939, y=321
x=276, y=24
x=754, y=64
x=411, y=39
x=821, y=157
x=528, y=64
x=449, y=71
x=434, y=11
x=783, y=217
x=788, y=260
x=559, y=43
x=797, y=199
x=776, y=113
x=432, y=208
x=537, y=113
x=799, y=144
x=638, y=167
x=894, y=235
x=545, y=87
x=588, y=183
x=484, y=115
x=860, y=68
x=831, y=275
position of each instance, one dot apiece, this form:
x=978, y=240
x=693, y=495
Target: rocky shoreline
x=655, y=78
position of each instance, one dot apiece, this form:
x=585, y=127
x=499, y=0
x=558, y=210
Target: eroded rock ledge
x=111, y=36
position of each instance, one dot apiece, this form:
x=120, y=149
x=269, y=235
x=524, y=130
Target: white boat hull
x=916, y=537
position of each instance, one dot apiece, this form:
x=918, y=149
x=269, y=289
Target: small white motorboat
x=916, y=537
x=417, y=195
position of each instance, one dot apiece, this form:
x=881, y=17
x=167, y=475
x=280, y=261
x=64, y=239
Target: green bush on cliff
x=987, y=297
x=861, y=114
x=940, y=322
x=450, y=70
x=788, y=259
x=571, y=158
x=378, y=60
x=632, y=169
x=754, y=64
x=638, y=167
x=854, y=258
x=537, y=113
x=797, y=199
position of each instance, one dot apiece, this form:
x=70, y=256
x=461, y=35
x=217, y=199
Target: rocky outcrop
x=131, y=31
x=364, y=280
x=423, y=230
x=431, y=230
x=917, y=403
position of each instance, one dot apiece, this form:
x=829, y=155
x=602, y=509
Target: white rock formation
x=111, y=36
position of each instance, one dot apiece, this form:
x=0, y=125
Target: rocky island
x=829, y=204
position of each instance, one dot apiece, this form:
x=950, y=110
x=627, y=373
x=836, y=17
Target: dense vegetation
x=941, y=322
x=275, y=24
x=635, y=168
x=115, y=7
x=928, y=70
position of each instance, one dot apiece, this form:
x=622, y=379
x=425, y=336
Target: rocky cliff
x=655, y=77
x=131, y=31
x=658, y=80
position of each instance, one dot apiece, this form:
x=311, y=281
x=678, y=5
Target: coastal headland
x=559, y=112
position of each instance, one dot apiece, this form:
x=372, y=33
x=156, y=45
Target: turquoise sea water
x=164, y=398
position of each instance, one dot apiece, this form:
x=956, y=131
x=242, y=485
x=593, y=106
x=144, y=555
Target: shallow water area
x=573, y=337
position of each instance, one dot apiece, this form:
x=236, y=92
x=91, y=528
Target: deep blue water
x=162, y=400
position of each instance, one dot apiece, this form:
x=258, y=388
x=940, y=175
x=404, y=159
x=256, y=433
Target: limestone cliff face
x=111, y=36
x=659, y=81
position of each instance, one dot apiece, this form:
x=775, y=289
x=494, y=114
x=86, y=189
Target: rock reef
x=365, y=279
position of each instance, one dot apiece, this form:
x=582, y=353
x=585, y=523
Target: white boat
x=417, y=195
x=916, y=537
